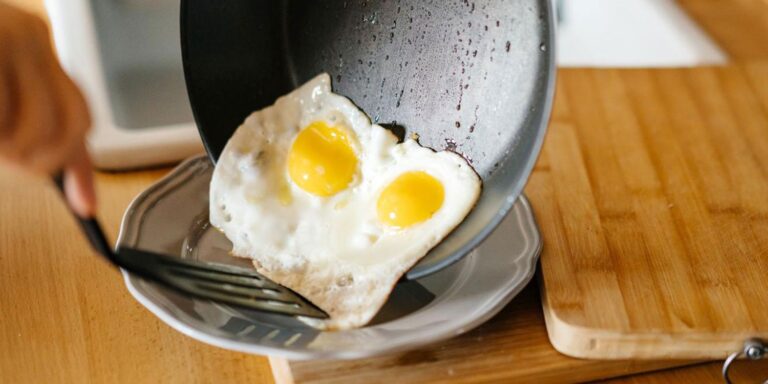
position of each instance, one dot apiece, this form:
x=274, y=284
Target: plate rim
x=527, y=222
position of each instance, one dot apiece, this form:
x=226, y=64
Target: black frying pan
x=475, y=77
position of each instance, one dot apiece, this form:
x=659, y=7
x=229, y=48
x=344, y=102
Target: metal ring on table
x=754, y=349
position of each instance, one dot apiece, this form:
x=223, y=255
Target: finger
x=78, y=184
x=35, y=117
x=80, y=116
x=8, y=92
x=73, y=115
x=66, y=126
x=62, y=138
x=73, y=123
x=6, y=86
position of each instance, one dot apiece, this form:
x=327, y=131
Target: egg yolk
x=321, y=160
x=412, y=198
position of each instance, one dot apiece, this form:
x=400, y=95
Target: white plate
x=171, y=217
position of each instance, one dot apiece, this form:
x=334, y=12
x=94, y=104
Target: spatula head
x=241, y=287
x=473, y=77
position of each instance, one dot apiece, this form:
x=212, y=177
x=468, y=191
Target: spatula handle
x=89, y=225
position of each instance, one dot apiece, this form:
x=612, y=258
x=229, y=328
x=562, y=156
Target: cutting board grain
x=510, y=348
x=652, y=196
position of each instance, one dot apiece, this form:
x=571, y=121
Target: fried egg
x=332, y=206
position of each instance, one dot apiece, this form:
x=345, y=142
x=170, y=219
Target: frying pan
x=474, y=77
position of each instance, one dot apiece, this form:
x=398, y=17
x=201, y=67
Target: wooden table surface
x=65, y=316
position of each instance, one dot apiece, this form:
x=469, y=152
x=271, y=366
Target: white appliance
x=126, y=57
x=631, y=33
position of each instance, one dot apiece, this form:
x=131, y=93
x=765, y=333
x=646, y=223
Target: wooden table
x=65, y=316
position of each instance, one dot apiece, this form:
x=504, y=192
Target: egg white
x=331, y=250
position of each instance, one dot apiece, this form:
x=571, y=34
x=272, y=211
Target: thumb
x=78, y=184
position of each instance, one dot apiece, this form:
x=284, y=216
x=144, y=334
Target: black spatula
x=218, y=282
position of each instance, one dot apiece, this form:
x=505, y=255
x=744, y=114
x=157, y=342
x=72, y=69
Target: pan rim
x=515, y=191
x=543, y=99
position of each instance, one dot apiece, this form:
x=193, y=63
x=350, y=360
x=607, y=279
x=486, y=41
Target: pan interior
x=474, y=77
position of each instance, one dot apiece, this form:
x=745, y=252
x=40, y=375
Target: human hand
x=43, y=116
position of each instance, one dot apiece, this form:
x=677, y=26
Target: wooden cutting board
x=652, y=197
x=510, y=348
